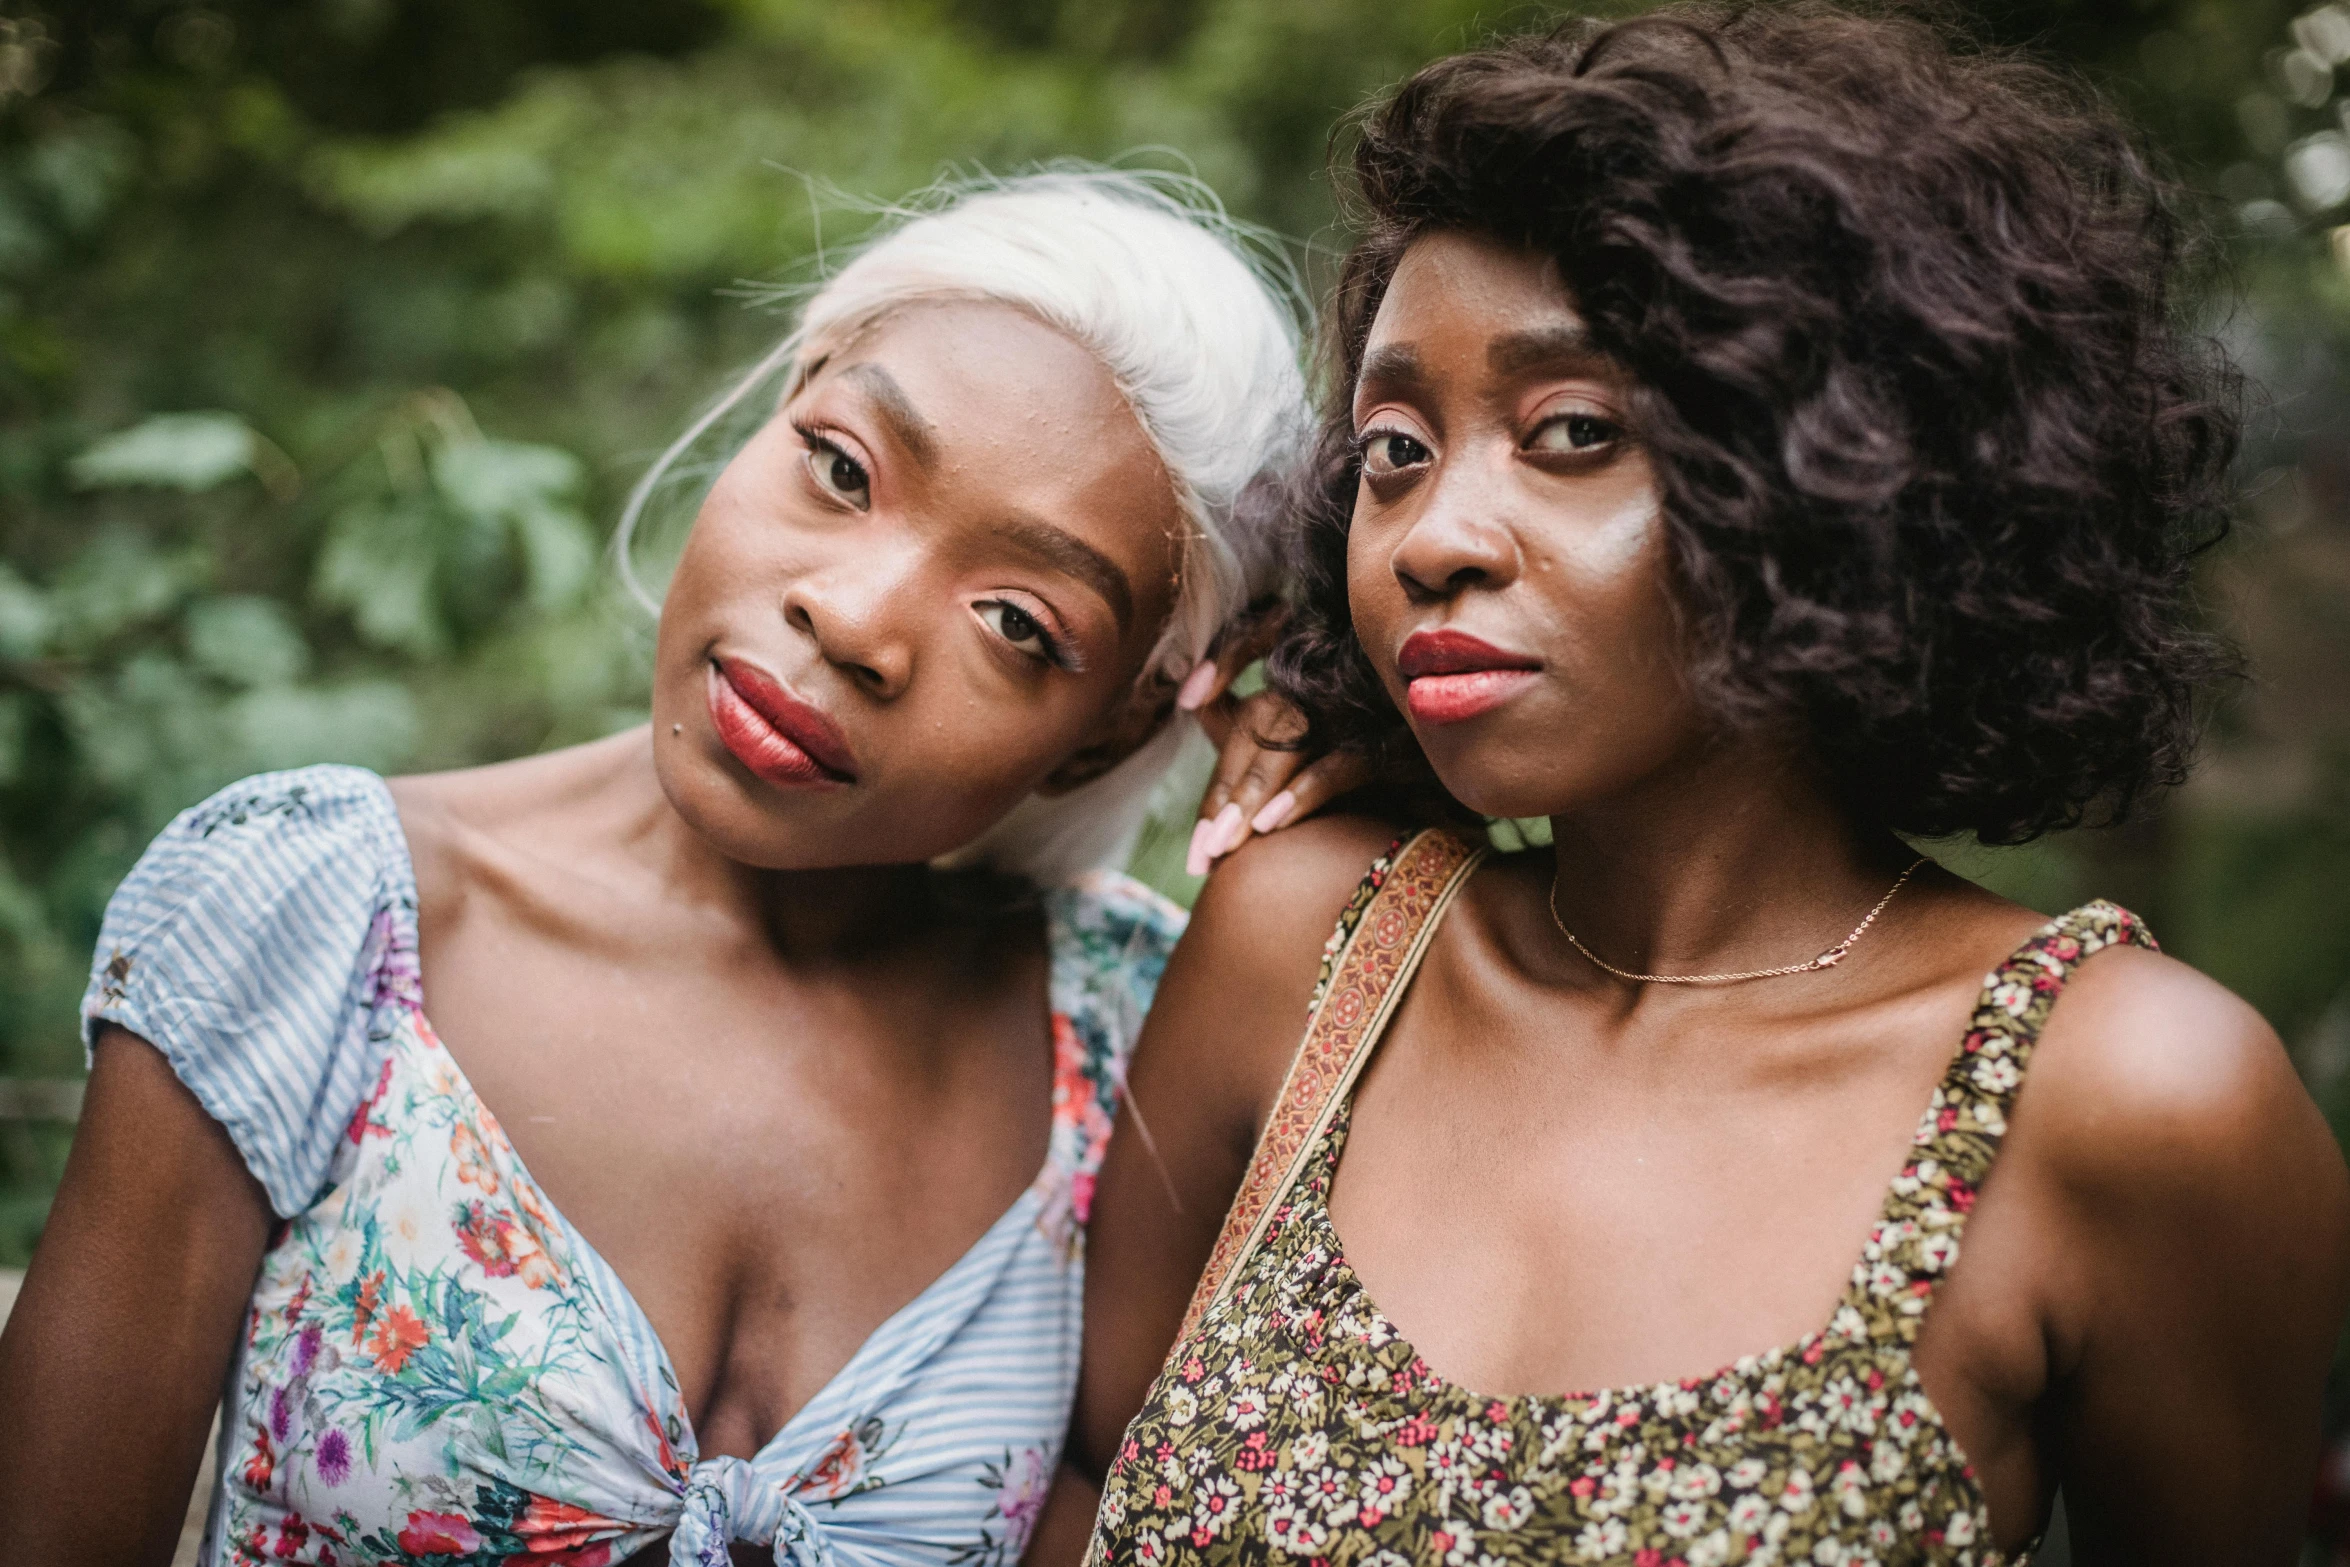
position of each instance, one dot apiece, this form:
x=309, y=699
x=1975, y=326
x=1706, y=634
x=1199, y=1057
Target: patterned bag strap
x=1351, y=1010
x=1916, y=1239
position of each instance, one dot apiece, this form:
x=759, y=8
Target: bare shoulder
x=1269, y=907
x=1230, y=1010
x=2155, y=1085
x=434, y=825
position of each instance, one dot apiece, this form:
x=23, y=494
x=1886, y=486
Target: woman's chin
x=757, y=825
x=1495, y=780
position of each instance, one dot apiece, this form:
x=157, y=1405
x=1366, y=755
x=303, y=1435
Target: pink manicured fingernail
x=1195, y=862
x=1275, y=813
x=1230, y=830
x=1196, y=686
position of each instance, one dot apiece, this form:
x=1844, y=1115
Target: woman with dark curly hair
x=1760, y=435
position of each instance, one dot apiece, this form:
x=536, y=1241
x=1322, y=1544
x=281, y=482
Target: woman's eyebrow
x=1066, y=552
x=915, y=433
x=1540, y=347
x=1394, y=364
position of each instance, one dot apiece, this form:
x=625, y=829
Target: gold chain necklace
x=1828, y=959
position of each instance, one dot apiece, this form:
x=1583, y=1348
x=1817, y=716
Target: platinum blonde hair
x=1197, y=319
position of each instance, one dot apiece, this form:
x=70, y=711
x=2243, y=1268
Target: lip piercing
x=677, y=729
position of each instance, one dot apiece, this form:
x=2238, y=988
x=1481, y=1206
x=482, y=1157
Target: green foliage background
x=333, y=331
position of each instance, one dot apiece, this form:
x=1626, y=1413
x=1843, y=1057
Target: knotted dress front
x=437, y=1368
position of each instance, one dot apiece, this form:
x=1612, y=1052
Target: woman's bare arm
x=2209, y=1212
x=1210, y=1062
x=114, y=1357
x=1229, y=1012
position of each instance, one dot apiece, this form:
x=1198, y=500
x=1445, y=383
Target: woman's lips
x=1454, y=676
x=773, y=733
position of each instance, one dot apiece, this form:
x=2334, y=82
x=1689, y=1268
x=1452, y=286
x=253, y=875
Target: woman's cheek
x=1374, y=603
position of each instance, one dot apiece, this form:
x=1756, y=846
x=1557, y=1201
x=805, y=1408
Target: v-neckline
x=649, y=1361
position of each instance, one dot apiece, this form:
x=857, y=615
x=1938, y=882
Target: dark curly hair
x=1936, y=449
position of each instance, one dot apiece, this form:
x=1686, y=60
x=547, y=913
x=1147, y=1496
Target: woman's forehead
x=1476, y=273
x=1470, y=300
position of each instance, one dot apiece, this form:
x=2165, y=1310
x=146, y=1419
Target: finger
x=1254, y=768
x=1258, y=787
x=1206, y=833
x=1268, y=771
x=1202, y=686
x=1246, y=731
x=1316, y=785
x=1235, y=748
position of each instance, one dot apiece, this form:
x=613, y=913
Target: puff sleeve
x=252, y=944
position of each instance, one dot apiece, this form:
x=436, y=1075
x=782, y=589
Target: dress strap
x=1369, y=962
x=1915, y=1243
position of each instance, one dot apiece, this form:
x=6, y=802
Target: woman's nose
x=857, y=611
x=1459, y=540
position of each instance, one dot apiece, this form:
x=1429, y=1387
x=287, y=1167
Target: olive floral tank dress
x=1293, y=1422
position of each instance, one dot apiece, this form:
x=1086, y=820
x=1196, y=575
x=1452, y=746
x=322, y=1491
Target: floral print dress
x=437, y=1369
x=1293, y=1422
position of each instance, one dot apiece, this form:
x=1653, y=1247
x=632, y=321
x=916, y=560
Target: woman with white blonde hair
x=734, y=1191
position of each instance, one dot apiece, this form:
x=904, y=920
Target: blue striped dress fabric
x=482, y=1385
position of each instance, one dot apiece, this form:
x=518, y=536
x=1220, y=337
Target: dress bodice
x=1293, y=1421
x=437, y=1367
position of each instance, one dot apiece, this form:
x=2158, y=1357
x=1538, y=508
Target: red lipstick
x=773, y=733
x=1454, y=676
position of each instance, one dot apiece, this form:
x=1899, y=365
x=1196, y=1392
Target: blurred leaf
x=190, y=451
x=559, y=556
x=25, y=616
x=475, y=166
x=148, y=729
x=370, y=723
x=526, y=488
x=24, y=922
x=499, y=478
x=378, y=566
x=119, y=581
x=246, y=640
x=81, y=170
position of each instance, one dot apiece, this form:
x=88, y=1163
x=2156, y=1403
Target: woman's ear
x=1125, y=730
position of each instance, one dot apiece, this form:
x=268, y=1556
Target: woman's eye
x=836, y=472
x=1018, y=627
x=1575, y=434
x=1386, y=451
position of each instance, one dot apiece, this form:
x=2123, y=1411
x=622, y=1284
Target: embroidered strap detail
x=1408, y=891
x=1915, y=1243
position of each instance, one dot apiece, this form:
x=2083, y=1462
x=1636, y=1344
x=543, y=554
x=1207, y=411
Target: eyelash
x=1056, y=652
x=1569, y=416
x=1365, y=440
x=821, y=445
